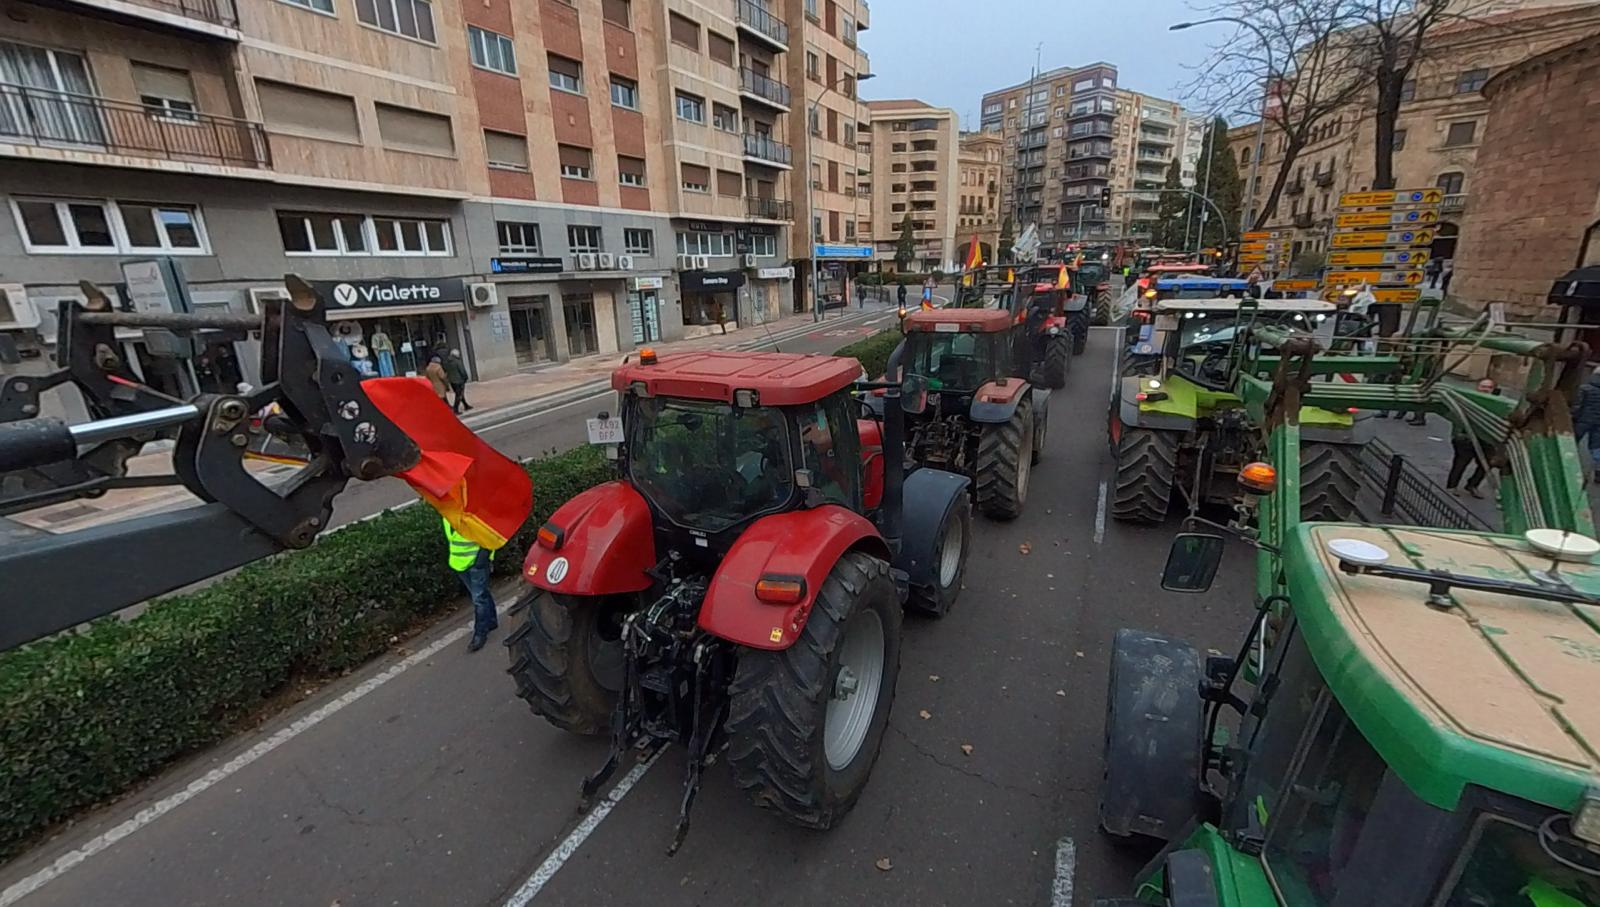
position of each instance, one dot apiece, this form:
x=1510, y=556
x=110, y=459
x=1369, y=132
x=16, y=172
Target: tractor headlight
x=1054, y=331
x=1586, y=817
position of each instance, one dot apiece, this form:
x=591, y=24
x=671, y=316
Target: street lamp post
x=812, y=227
x=1261, y=115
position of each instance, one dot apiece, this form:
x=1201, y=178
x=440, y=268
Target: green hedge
x=88, y=715
x=873, y=352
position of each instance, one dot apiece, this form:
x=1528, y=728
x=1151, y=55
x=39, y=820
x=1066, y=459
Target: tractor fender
x=930, y=495
x=1040, y=398
x=1328, y=434
x=606, y=544
x=800, y=543
x=995, y=401
x=1189, y=879
x=1077, y=302
x=1131, y=414
x=1154, y=726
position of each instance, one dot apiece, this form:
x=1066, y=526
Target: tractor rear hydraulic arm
x=57, y=581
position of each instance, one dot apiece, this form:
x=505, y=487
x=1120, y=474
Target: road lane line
x=1100, y=516
x=145, y=816
x=570, y=844
x=1066, y=868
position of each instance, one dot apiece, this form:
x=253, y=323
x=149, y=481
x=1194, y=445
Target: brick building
x=1536, y=210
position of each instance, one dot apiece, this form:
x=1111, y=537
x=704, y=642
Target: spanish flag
x=483, y=494
x=974, y=254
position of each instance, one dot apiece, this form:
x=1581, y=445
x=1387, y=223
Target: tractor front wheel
x=806, y=722
x=1147, y=468
x=1005, y=460
x=1330, y=477
x=566, y=658
x=1078, y=324
x=1057, y=360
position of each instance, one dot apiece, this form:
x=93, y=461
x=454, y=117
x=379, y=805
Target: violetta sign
x=354, y=294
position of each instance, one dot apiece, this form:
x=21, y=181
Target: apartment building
x=1057, y=130
x=914, y=149
x=522, y=181
x=978, y=160
x=1438, y=136
x=831, y=164
x=1148, y=136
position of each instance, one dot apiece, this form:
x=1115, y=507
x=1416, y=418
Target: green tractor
x=1178, y=425
x=1411, y=717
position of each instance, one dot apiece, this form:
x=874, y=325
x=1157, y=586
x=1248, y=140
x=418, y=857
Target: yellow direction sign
x=1428, y=196
x=1410, y=278
x=1415, y=217
x=1365, y=238
x=1390, y=295
x=1407, y=258
x=1249, y=247
x=1290, y=286
x=1256, y=236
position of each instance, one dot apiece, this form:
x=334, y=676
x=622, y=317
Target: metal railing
x=763, y=148
x=217, y=12
x=764, y=86
x=1303, y=220
x=765, y=23
x=768, y=208
x=57, y=118
x=1404, y=491
x=1322, y=178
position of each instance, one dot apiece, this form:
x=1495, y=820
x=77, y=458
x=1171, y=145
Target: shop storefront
x=393, y=327
x=767, y=291
x=710, y=299
x=644, y=308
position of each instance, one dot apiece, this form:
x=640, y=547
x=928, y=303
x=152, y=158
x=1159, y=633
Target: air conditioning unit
x=688, y=262
x=702, y=262
x=608, y=262
x=17, y=313
x=749, y=259
x=586, y=261
x=625, y=262
x=483, y=295
x=258, y=295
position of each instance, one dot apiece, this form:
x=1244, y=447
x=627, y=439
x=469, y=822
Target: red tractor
x=741, y=585
x=1056, y=318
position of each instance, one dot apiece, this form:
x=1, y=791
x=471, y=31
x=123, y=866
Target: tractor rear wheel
x=567, y=658
x=1330, y=477
x=806, y=722
x=955, y=538
x=1078, y=324
x=1147, y=468
x=1005, y=460
x=1057, y=360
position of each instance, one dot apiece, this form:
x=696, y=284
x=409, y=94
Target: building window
x=630, y=170
x=1471, y=80
x=811, y=9
x=625, y=92
x=696, y=178
x=639, y=241
x=617, y=12
x=321, y=233
x=1451, y=183
x=96, y=226
x=518, y=237
x=321, y=6
x=1408, y=90
x=697, y=242
x=412, y=18
x=1399, y=143
x=167, y=94
x=505, y=150
x=576, y=163
x=813, y=65
x=583, y=239
x=411, y=236
x=1461, y=133
x=405, y=129
x=719, y=47
x=492, y=51
x=292, y=110
x=691, y=108
x=566, y=75
x=684, y=31
x=724, y=118
x=764, y=244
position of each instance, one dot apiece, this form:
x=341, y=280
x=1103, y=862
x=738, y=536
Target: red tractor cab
x=742, y=582
x=1056, y=317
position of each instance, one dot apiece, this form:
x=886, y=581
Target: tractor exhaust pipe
x=894, y=453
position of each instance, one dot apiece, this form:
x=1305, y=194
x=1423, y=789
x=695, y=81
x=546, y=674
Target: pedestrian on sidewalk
x=901, y=295
x=471, y=562
x=456, y=371
x=1586, y=419
x=438, y=378
x=1464, y=452
x=1432, y=270
x=861, y=295
x=1449, y=271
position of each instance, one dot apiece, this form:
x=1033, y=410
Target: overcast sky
x=949, y=52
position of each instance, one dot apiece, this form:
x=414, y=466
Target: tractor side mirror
x=914, y=394
x=1192, y=562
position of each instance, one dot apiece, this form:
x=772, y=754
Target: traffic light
x=1105, y=196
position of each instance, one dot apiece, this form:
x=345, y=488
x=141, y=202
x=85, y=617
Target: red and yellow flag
x=974, y=254
x=482, y=493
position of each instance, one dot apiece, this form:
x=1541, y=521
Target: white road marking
x=154, y=811
x=570, y=844
x=1100, y=516
x=1066, y=867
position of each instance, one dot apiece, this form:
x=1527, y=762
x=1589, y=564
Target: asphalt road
x=423, y=780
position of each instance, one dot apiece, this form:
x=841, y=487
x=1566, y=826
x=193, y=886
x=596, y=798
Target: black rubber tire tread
x=1330, y=478
x=779, y=700
x=550, y=663
x=940, y=603
x=1041, y=432
x=1001, y=447
x=1057, y=361
x=1147, y=467
x=1078, y=324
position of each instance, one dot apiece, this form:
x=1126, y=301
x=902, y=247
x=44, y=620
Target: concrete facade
x=914, y=150
x=978, y=207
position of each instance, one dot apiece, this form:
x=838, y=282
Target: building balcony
x=1453, y=204
x=1084, y=176
x=1295, y=187
x=764, y=150
x=213, y=18
x=1152, y=115
x=1323, y=178
x=57, y=119
x=1303, y=220
x=1089, y=153
x=754, y=19
x=762, y=88
x=769, y=208
x=1089, y=131
x=1033, y=140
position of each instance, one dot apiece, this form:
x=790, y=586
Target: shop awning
x=428, y=308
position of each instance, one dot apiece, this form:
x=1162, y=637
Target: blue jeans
x=476, y=579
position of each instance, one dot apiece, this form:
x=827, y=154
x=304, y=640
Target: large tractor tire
x=955, y=538
x=1078, y=326
x=1041, y=428
x=1147, y=468
x=1150, y=777
x=566, y=658
x=1005, y=462
x=806, y=722
x=1057, y=360
x=1330, y=477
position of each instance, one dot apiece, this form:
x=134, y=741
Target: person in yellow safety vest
x=471, y=562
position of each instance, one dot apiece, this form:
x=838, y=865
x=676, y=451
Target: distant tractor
x=741, y=584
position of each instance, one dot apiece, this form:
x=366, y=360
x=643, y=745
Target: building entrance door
x=530, y=329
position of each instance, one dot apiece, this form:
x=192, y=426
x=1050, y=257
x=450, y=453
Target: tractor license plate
x=947, y=327
x=605, y=431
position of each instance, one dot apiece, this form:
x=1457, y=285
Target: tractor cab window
x=956, y=361
x=830, y=449
x=709, y=465
x=1506, y=862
